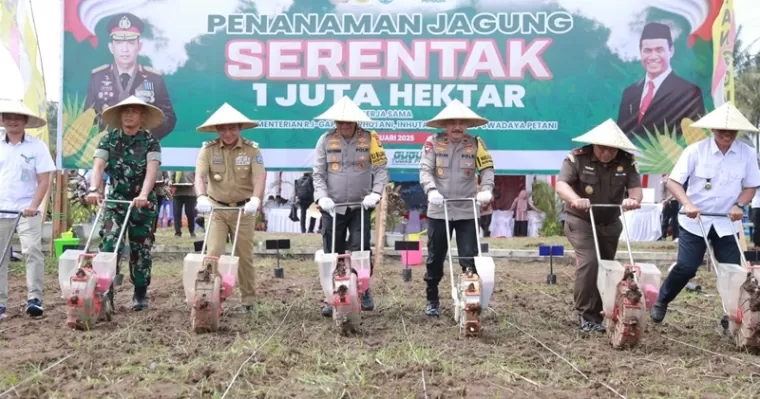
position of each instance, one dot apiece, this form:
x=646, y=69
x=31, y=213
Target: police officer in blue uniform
x=112, y=83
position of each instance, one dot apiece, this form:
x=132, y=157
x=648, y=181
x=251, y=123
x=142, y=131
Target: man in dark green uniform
x=601, y=172
x=112, y=83
x=131, y=156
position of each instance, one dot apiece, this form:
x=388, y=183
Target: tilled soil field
x=530, y=348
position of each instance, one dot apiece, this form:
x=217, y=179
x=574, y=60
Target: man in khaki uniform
x=349, y=166
x=448, y=170
x=234, y=169
x=601, y=172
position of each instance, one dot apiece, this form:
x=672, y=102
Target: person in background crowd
x=756, y=215
x=520, y=207
x=183, y=193
x=350, y=166
x=449, y=169
x=25, y=168
x=670, y=208
x=305, y=197
x=601, y=172
x=161, y=187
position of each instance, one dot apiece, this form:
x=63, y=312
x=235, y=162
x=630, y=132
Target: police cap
x=125, y=26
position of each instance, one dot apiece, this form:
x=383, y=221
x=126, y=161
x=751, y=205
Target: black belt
x=233, y=204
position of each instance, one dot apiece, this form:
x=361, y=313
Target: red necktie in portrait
x=647, y=100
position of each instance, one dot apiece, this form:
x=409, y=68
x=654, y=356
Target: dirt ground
x=531, y=347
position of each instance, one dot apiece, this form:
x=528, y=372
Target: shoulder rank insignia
x=151, y=70
x=210, y=142
x=251, y=143
x=100, y=68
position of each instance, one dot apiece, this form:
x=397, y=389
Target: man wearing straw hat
x=131, y=156
x=723, y=176
x=448, y=170
x=349, y=166
x=25, y=167
x=234, y=169
x=601, y=172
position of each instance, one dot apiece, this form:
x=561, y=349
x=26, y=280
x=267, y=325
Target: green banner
x=541, y=74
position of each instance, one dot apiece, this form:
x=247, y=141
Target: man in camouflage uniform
x=601, y=172
x=131, y=156
x=349, y=166
x=111, y=83
x=234, y=169
x=448, y=170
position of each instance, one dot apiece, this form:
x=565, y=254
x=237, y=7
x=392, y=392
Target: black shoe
x=34, y=307
x=368, y=304
x=140, y=299
x=658, y=312
x=433, y=309
x=327, y=311
x=590, y=326
x=192, y=235
x=178, y=235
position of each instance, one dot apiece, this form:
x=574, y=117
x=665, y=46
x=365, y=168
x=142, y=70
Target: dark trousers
x=189, y=202
x=485, y=224
x=438, y=245
x=588, y=302
x=756, y=223
x=670, y=218
x=350, y=222
x=304, y=207
x=521, y=228
x=691, y=252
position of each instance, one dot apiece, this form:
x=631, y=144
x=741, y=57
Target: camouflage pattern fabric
x=127, y=164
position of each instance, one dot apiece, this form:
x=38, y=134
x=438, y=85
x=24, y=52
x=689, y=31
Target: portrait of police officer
x=112, y=83
x=451, y=162
x=350, y=166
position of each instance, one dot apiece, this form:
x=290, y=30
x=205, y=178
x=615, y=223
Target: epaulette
x=100, y=68
x=251, y=143
x=580, y=150
x=210, y=143
x=151, y=70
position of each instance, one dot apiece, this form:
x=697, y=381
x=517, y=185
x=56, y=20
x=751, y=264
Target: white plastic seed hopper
x=472, y=291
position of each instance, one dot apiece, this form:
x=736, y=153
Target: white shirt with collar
x=657, y=83
x=728, y=174
x=19, y=166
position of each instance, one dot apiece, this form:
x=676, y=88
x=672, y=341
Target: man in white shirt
x=723, y=176
x=25, y=167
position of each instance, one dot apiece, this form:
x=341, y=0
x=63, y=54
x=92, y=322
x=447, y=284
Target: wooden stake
x=380, y=211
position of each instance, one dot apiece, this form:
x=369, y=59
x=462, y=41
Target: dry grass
x=286, y=349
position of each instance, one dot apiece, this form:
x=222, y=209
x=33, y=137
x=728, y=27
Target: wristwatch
x=92, y=190
x=740, y=205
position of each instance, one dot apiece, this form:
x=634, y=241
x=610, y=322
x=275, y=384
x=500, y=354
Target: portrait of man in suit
x=661, y=98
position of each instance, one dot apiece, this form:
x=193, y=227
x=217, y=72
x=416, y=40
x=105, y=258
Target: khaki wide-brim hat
x=152, y=118
x=456, y=111
x=344, y=111
x=725, y=117
x=226, y=115
x=8, y=106
x=608, y=134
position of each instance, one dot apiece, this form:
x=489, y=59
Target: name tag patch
x=243, y=160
